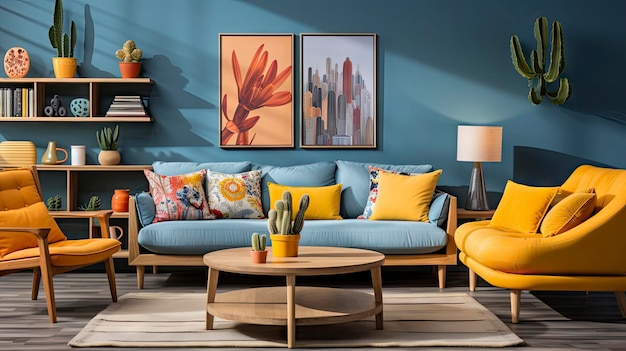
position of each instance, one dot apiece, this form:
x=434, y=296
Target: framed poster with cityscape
x=256, y=90
x=338, y=90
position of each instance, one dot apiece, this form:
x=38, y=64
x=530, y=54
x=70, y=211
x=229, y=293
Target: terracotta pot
x=130, y=69
x=119, y=201
x=258, y=256
x=285, y=245
x=64, y=67
x=109, y=157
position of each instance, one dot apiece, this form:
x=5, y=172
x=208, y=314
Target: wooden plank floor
x=592, y=321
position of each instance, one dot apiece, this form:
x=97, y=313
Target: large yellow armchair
x=591, y=256
x=30, y=238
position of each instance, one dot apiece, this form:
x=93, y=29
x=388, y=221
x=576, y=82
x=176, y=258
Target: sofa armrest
x=133, y=229
x=451, y=224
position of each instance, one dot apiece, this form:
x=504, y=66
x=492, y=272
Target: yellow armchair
x=31, y=239
x=588, y=257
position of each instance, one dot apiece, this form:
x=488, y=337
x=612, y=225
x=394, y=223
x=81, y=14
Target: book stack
x=17, y=102
x=127, y=105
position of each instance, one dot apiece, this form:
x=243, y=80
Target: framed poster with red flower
x=256, y=90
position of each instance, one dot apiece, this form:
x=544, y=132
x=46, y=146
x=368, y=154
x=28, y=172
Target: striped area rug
x=411, y=319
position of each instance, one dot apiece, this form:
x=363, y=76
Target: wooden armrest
x=102, y=216
x=38, y=232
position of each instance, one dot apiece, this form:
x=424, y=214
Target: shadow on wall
x=540, y=167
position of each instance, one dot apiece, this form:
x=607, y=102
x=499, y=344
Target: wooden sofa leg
x=472, y=280
x=515, y=302
x=621, y=301
x=441, y=275
x=110, y=268
x=34, y=292
x=140, y=273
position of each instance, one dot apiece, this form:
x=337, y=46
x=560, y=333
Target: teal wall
x=440, y=63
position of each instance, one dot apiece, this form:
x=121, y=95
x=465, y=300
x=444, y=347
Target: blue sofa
x=404, y=243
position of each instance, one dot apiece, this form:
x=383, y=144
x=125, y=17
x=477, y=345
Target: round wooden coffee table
x=295, y=306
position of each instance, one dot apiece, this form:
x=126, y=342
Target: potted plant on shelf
x=64, y=64
x=285, y=233
x=258, y=254
x=130, y=55
x=107, y=140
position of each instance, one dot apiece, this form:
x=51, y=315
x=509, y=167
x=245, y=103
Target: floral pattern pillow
x=235, y=195
x=178, y=197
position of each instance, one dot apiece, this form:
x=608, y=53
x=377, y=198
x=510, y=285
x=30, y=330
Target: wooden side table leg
x=377, y=284
x=291, y=311
x=211, y=288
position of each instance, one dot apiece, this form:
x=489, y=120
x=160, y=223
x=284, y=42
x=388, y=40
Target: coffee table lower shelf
x=313, y=305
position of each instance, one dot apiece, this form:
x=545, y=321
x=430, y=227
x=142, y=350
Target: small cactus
x=129, y=52
x=107, y=138
x=259, y=241
x=92, y=205
x=279, y=218
x=54, y=203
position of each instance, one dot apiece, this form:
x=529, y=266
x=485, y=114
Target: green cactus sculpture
x=92, y=205
x=537, y=73
x=61, y=41
x=279, y=218
x=129, y=52
x=54, y=203
x=259, y=241
x=107, y=138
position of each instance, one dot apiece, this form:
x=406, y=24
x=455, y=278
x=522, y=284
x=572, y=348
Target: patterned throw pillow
x=235, y=195
x=178, y=197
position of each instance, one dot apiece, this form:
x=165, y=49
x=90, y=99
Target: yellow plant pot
x=64, y=67
x=285, y=245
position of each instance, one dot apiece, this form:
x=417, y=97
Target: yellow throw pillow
x=35, y=215
x=522, y=207
x=568, y=213
x=324, y=201
x=404, y=197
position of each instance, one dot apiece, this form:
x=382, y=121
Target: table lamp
x=478, y=144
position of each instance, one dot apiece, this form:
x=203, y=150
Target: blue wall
x=440, y=64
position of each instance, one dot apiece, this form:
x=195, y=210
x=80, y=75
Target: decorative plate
x=16, y=62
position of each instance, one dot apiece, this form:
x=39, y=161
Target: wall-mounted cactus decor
x=537, y=73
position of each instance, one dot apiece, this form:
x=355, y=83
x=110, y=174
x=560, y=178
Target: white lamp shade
x=479, y=144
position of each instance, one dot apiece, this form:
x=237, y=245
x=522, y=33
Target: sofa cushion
x=146, y=209
x=313, y=174
x=175, y=168
x=438, y=211
x=199, y=237
x=35, y=215
x=522, y=207
x=568, y=213
x=235, y=195
x=404, y=197
x=323, y=200
x=355, y=180
x=178, y=197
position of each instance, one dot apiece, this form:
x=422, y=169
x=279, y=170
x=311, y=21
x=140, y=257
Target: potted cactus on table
x=258, y=254
x=130, y=55
x=107, y=141
x=285, y=233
